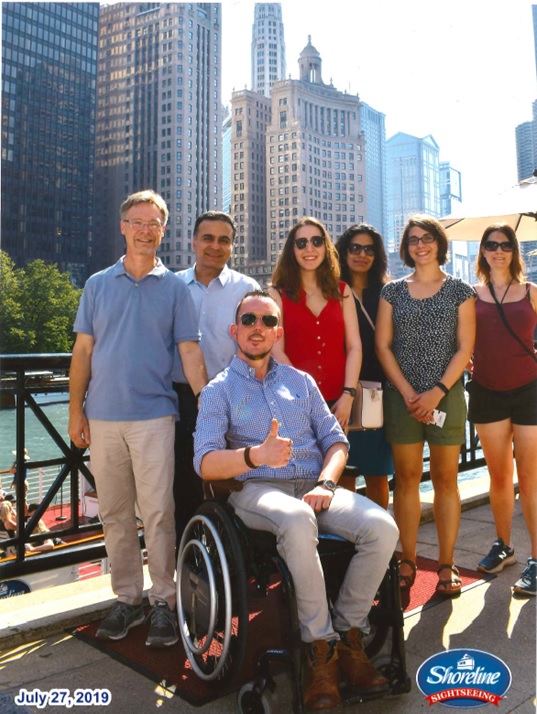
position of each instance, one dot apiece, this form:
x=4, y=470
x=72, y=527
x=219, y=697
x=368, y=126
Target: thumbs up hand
x=274, y=451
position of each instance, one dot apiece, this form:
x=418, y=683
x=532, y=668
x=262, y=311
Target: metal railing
x=18, y=381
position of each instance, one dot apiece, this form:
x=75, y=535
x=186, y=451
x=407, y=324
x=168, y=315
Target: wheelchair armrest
x=220, y=489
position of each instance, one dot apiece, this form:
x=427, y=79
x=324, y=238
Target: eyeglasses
x=316, y=241
x=248, y=319
x=137, y=224
x=356, y=249
x=492, y=246
x=427, y=238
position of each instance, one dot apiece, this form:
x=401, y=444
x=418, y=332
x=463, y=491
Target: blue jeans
x=277, y=507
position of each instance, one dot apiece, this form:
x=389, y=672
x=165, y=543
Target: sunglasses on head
x=356, y=249
x=491, y=246
x=316, y=241
x=248, y=319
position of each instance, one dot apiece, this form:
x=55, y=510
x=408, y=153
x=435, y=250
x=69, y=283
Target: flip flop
x=443, y=585
x=407, y=581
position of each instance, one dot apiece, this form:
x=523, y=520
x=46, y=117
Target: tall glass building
x=413, y=181
x=268, y=47
x=49, y=69
x=159, y=119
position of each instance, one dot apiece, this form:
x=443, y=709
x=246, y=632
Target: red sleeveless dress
x=316, y=344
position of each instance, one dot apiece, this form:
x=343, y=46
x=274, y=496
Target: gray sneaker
x=119, y=621
x=498, y=557
x=527, y=583
x=163, y=629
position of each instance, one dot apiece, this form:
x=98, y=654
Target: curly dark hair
x=377, y=276
x=516, y=267
x=286, y=274
x=432, y=226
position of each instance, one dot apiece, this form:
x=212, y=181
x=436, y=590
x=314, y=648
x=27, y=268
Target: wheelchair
x=220, y=562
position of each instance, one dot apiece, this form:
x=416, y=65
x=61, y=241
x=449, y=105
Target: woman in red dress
x=321, y=334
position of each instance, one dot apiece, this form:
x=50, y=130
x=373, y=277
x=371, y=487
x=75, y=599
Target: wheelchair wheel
x=212, y=594
x=251, y=701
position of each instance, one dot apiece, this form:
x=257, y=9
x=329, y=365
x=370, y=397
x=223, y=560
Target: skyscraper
x=268, y=47
x=526, y=152
x=159, y=118
x=49, y=68
x=373, y=126
x=313, y=161
x=413, y=181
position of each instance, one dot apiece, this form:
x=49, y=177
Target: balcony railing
x=21, y=381
x=20, y=385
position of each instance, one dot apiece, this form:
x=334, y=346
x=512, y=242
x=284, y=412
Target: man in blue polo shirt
x=216, y=291
x=131, y=317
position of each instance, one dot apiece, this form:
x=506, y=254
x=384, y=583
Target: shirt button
x=318, y=337
x=135, y=285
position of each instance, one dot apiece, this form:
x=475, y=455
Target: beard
x=255, y=358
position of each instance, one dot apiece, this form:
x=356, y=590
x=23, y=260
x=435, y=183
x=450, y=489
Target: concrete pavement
x=34, y=655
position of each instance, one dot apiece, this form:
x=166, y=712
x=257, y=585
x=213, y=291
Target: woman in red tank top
x=321, y=334
x=503, y=393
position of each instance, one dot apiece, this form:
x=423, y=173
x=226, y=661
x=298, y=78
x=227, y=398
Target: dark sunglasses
x=316, y=241
x=250, y=318
x=491, y=246
x=356, y=249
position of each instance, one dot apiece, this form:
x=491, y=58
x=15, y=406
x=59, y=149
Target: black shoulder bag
x=508, y=326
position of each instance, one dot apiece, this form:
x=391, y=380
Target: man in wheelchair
x=267, y=425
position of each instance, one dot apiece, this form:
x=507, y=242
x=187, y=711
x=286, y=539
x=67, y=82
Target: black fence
x=23, y=377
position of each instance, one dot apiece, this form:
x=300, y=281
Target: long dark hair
x=286, y=274
x=516, y=267
x=377, y=275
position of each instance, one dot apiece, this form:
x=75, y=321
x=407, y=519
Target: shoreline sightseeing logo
x=464, y=678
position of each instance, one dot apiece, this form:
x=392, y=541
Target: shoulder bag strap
x=508, y=326
x=368, y=318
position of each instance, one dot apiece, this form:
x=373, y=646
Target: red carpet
x=170, y=668
x=422, y=593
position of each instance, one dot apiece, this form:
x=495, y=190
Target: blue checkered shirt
x=236, y=410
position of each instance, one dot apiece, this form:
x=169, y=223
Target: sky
x=462, y=71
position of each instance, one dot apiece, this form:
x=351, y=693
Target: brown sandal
x=407, y=581
x=443, y=585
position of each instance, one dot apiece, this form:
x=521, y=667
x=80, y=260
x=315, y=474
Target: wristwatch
x=330, y=485
x=350, y=390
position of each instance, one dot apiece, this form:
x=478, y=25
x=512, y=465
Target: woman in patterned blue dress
x=425, y=335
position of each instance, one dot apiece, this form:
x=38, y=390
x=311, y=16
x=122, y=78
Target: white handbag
x=367, y=410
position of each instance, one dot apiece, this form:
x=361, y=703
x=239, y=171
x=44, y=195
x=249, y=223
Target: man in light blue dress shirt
x=216, y=291
x=266, y=424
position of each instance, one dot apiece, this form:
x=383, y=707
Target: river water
x=39, y=444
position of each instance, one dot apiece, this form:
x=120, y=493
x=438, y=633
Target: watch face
x=330, y=485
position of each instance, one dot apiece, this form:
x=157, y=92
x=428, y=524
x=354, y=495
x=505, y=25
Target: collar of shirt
x=223, y=277
x=241, y=367
x=158, y=271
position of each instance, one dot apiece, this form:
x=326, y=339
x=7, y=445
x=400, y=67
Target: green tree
x=38, y=309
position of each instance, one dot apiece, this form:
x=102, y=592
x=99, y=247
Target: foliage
x=38, y=305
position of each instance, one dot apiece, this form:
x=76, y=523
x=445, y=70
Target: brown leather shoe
x=322, y=680
x=356, y=666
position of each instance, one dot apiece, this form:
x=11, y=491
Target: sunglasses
x=248, y=319
x=356, y=249
x=316, y=241
x=427, y=238
x=491, y=246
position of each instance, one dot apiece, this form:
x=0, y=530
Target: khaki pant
x=132, y=462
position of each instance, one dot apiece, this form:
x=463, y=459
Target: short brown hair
x=432, y=226
x=147, y=196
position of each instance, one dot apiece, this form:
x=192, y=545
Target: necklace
x=506, y=290
x=310, y=295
